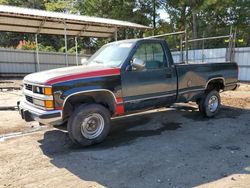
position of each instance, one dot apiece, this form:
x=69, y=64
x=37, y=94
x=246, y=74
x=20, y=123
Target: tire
x=210, y=104
x=201, y=110
x=89, y=124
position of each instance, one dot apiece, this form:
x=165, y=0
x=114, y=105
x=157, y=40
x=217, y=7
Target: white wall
x=242, y=57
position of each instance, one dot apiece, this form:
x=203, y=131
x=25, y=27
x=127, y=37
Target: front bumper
x=31, y=113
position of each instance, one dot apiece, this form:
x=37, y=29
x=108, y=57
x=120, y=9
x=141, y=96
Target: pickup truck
x=121, y=77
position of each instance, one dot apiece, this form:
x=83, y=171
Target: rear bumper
x=237, y=86
x=233, y=86
x=30, y=113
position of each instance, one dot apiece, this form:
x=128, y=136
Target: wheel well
x=99, y=97
x=215, y=84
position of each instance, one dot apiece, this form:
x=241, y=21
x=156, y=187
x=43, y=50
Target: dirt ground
x=173, y=147
x=10, y=83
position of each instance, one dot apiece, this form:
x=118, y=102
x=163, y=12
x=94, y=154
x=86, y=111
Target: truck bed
x=193, y=78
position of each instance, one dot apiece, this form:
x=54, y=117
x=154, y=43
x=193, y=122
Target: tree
x=61, y=6
x=38, y=4
x=209, y=17
x=220, y=15
x=127, y=10
x=212, y=17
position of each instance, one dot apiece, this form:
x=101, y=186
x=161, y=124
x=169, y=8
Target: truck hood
x=53, y=76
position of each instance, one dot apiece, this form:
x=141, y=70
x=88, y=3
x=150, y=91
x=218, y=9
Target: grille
x=29, y=99
x=28, y=87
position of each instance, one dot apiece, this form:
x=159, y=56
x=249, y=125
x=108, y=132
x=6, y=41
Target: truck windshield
x=111, y=55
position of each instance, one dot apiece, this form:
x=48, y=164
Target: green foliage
x=39, y=4
x=73, y=50
x=62, y=49
x=29, y=45
x=26, y=45
x=200, y=17
x=3, y=2
x=127, y=10
x=46, y=48
x=212, y=18
x=60, y=6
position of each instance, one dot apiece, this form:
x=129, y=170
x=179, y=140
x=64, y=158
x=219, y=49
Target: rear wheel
x=89, y=124
x=210, y=104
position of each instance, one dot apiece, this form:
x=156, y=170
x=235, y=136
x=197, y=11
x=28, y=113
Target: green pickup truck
x=122, y=77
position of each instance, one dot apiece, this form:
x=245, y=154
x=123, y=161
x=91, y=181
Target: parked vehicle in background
x=122, y=77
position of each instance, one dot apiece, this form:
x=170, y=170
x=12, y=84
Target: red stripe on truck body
x=119, y=106
x=92, y=74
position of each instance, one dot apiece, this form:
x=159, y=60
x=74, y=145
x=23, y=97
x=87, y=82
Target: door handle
x=168, y=75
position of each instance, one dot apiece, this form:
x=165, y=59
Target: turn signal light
x=48, y=104
x=47, y=91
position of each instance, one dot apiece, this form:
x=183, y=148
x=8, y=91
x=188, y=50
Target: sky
x=163, y=14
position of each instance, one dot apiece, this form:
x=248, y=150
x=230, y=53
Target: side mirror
x=138, y=64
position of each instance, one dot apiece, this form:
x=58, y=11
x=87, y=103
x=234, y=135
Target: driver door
x=151, y=86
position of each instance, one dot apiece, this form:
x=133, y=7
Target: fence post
x=116, y=34
x=37, y=54
x=233, y=47
x=76, y=46
x=66, y=45
x=203, y=44
x=186, y=45
x=181, y=49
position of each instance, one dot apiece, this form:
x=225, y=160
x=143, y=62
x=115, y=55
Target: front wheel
x=210, y=104
x=89, y=124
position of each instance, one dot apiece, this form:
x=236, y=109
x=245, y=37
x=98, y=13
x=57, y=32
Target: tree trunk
x=194, y=26
x=183, y=19
x=154, y=16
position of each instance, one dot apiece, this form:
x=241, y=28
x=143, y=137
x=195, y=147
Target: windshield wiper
x=98, y=61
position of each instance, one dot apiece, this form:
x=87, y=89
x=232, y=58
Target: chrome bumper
x=232, y=86
x=30, y=113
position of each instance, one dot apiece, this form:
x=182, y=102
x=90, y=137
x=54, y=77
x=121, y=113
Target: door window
x=151, y=55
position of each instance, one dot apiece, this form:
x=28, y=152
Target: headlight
x=38, y=102
x=37, y=89
x=42, y=90
x=48, y=104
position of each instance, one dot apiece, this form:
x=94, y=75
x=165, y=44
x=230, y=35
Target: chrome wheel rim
x=213, y=103
x=92, y=126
